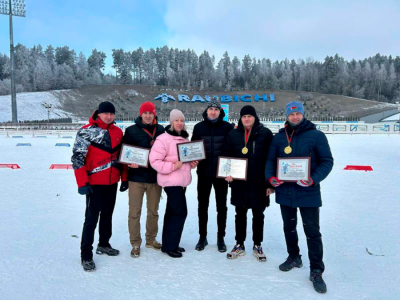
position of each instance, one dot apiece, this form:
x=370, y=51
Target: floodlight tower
x=48, y=107
x=13, y=8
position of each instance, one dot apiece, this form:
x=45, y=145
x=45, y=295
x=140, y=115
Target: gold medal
x=288, y=150
x=246, y=139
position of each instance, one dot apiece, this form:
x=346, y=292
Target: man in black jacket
x=213, y=130
x=300, y=138
x=251, y=141
x=143, y=180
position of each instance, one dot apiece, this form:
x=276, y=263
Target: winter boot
x=291, y=263
x=173, y=254
x=221, y=244
x=135, y=252
x=259, y=253
x=318, y=282
x=154, y=245
x=237, y=251
x=180, y=249
x=202, y=243
x=88, y=265
x=107, y=250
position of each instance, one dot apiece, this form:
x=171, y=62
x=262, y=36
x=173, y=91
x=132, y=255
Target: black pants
x=310, y=218
x=241, y=224
x=174, y=218
x=102, y=203
x=204, y=185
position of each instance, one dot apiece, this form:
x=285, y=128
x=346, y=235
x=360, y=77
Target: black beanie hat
x=106, y=107
x=248, y=110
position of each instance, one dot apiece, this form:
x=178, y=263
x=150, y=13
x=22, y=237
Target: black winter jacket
x=252, y=192
x=214, y=136
x=307, y=142
x=136, y=136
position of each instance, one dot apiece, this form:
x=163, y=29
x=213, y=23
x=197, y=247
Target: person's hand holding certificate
x=232, y=168
x=293, y=168
x=191, y=151
x=131, y=155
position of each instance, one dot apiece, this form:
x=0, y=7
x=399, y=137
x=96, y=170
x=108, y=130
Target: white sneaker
x=259, y=253
x=237, y=251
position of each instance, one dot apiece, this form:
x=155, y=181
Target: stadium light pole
x=48, y=107
x=13, y=8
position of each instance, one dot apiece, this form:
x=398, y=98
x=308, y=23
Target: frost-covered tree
x=96, y=61
x=4, y=67
x=82, y=68
x=63, y=55
x=42, y=75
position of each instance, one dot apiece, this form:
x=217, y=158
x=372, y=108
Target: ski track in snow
x=41, y=211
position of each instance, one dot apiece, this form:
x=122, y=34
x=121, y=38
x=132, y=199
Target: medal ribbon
x=246, y=136
x=287, y=136
x=152, y=135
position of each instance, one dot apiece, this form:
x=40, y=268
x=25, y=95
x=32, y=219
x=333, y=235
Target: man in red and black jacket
x=97, y=171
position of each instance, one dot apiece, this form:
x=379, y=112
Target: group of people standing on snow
x=97, y=171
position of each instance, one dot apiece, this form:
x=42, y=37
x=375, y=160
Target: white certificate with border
x=134, y=155
x=293, y=168
x=191, y=151
x=232, y=166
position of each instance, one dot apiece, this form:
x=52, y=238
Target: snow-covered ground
x=30, y=106
x=41, y=219
x=395, y=117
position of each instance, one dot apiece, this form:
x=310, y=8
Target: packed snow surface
x=42, y=214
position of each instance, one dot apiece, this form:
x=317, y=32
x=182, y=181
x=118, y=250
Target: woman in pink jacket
x=174, y=176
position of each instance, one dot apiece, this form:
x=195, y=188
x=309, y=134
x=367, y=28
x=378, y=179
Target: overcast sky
x=261, y=28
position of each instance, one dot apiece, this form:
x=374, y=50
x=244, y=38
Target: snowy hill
x=29, y=106
x=41, y=219
x=80, y=103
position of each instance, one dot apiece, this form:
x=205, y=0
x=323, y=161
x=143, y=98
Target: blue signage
x=165, y=98
x=225, y=107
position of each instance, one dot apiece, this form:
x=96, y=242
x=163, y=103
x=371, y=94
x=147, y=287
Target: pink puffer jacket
x=162, y=157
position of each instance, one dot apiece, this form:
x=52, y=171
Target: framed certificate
x=191, y=151
x=231, y=166
x=134, y=155
x=293, y=168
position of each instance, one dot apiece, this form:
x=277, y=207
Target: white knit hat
x=175, y=114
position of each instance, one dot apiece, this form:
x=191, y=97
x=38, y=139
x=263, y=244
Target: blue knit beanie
x=294, y=106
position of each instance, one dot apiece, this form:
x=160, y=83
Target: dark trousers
x=310, y=218
x=241, y=224
x=174, y=218
x=204, y=185
x=100, y=203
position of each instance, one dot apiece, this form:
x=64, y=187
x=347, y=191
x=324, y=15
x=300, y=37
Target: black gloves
x=124, y=186
x=85, y=190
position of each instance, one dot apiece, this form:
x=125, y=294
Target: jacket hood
x=139, y=122
x=220, y=117
x=95, y=120
x=183, y=134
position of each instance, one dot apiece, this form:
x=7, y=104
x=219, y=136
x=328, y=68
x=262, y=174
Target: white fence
x=340, y=127
x=348, y=128
x=329, y=128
